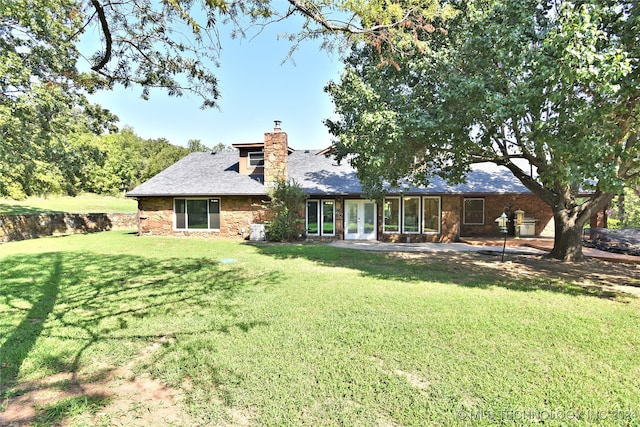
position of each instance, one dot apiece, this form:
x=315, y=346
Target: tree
x=130, y=160
x=196, y=146
x=54, y=52
x=174, y=44
x=92, y=44
x=626, y=209
x=43, y=144
x=161, y=155
x=43, y=115
x=221, y=147
x=553, y=84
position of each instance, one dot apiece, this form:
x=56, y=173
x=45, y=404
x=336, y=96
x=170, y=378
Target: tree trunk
x=567, y=245
x=570, y=219
x=622, y=214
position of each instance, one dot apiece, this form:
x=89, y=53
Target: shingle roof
x=203, y=174
x=320, y=174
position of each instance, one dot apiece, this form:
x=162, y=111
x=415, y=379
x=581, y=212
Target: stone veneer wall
x=22, y=227
x=236, y=216
x=276, y=157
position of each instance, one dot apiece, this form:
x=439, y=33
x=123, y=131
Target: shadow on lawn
x=523, y=273
x=65, y=304
x=42, y=298
x=8, y=209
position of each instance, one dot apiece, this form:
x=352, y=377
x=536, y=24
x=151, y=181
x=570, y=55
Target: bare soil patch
x=595, y=277
x=115, y=397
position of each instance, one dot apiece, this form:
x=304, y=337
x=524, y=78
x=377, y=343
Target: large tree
x=548, y=89
x=173, y=44
x=54, y=52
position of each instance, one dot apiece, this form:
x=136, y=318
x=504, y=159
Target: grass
x=84, y=203
x=315, y=335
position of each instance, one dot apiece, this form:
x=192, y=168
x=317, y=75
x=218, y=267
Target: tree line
x=108, y=164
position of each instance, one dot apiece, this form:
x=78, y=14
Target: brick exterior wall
x=236, y=216
x=451, y=221
x=496, y=204
x=238, y=213
x=599, y=220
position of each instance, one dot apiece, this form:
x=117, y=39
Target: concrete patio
x=522, y=246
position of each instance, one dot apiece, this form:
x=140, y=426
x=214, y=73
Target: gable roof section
x=202, y=174
x=317, y=172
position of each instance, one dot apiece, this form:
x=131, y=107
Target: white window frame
x=464, y=210
x=439, y=199
x=384, y=220
x=260, y=159
x=404, y=231
x=208, y=200
x=321, y=217
x=320, y=203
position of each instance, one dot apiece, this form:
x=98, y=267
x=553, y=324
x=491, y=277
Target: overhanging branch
x=107, y=36
x=344, y=27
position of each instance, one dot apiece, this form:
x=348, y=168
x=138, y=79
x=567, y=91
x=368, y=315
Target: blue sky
x=257, y=88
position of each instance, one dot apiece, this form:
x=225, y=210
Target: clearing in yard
x=83, y=203
x=115, y=329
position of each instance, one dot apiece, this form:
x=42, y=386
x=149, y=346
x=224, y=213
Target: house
x=224, y=194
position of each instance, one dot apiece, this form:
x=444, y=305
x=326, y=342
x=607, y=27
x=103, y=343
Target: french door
x=360, y=220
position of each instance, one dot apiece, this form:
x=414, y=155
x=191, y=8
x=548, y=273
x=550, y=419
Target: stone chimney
x=276, y=156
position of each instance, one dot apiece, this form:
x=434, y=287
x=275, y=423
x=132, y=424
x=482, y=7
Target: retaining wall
x=21, y=227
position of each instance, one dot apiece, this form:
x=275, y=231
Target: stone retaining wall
x=21, y=227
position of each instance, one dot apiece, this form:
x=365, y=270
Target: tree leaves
x=554, y=84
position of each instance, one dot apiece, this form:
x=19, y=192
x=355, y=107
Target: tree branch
x=107, y=36
x=317, y=16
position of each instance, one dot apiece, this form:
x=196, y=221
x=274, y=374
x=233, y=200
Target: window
x=197, y=214
x=321, y=216
x=328, y=218
x=474, y=211
x=312, y=217
x=431, y=215
x=256, y=159
x=411, y=214
x=391, y=218
x=414, y=220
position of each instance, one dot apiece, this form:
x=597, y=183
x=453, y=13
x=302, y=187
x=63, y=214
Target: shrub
x=625, y=212
x=287, y=206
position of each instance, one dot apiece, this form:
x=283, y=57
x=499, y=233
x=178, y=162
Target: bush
x=15, y=191
x=625, y=212
x=287, y=206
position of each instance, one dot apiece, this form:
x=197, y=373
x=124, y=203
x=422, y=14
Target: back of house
x=226, y=194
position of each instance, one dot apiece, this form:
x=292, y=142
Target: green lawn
x=315, y=335
x=84, y=203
